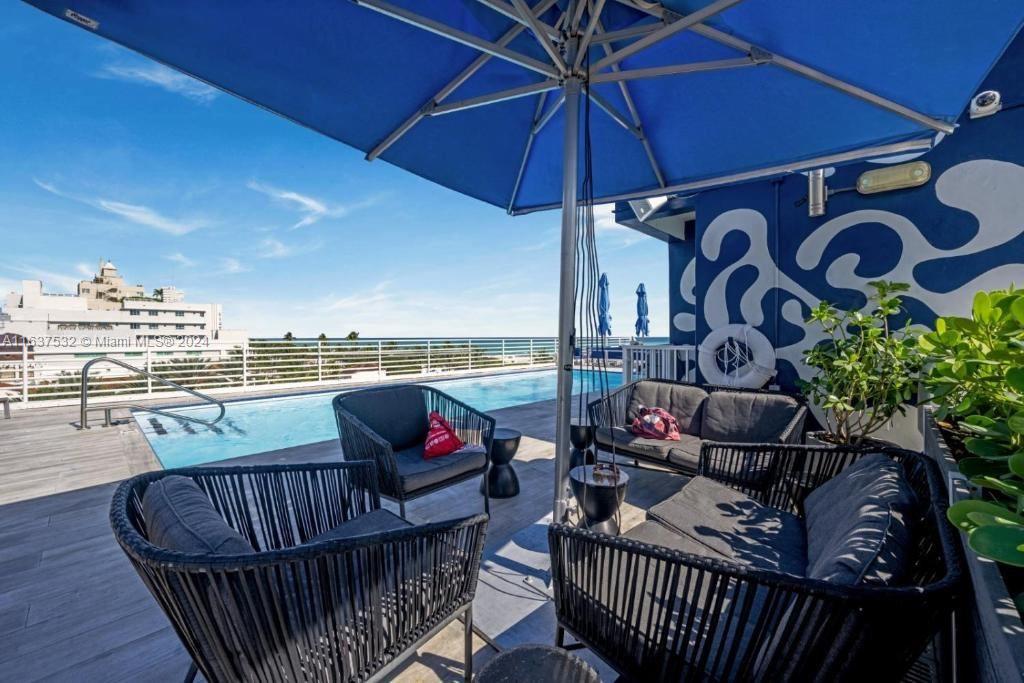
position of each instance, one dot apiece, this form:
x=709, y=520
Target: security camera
x=985, y=104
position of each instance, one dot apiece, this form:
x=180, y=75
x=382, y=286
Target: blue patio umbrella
x=643, y=325
x=604, y=306
x=484, y=96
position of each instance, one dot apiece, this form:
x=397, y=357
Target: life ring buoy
x=751, y=353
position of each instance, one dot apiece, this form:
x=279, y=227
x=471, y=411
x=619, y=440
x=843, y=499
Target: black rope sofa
x=705, y=413
x=294, y=572
x=732, y=579
x=389, y=425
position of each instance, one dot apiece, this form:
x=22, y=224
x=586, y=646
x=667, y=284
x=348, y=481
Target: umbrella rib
x=462, y=37
x=510, y=12
x=526, y=150
x=452, y=86
x=801, y=69
x=608, y=108
x=494, y=98
x=631, y=106
x=619, y=76
x=588, y=34
x=540, y=35
x=666, y=32
x=781, y=169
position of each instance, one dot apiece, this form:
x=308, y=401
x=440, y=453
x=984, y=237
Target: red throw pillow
x=441, y=439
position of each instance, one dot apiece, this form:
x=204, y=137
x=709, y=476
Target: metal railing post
x=428, y=356
x=380, y=358
x=531, y=350
x=627, y=363
x=470, y=354
x=245, y=364
x=502, y=353
x=319, y=361
x=24, y=371
x=149, y=369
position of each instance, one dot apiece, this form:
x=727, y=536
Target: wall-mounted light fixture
x=900, y=177
x=817, y=193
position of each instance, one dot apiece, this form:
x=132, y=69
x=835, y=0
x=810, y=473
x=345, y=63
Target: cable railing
x=108, y=409
x=54, y=375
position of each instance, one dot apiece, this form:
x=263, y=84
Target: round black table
x=502, y=481
x=537, y=664
x=599, y=497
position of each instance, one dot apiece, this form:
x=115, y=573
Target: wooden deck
x=71, y=606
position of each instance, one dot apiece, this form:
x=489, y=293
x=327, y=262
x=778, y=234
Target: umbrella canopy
x=483, y=96
x=643, y=325
x=687, y=92
x=604, y=306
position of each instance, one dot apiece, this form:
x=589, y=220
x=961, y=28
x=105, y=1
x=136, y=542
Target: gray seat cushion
x=415, y=472
x=654, y=533
x=731, y=525
x=682, y=401
x=373, y=522
x=685, y=453
x=747, y=417
x=180, y=516
x=397, y=414
x=858, y=524
x=628, y=442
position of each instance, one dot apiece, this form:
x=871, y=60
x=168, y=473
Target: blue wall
x=757, y=258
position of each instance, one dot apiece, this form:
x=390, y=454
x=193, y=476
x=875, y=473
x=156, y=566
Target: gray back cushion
x=396, y=414
x=180, y=516
x=858, y=524
x=747, y=417
x=682, y=401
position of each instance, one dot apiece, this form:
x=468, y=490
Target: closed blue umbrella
x=643, y=325
x=484, y=96
x=604, y=306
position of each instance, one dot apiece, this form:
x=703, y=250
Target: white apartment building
x=113, y=315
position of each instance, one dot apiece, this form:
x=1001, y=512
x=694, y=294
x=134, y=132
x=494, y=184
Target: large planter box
x=990, y=644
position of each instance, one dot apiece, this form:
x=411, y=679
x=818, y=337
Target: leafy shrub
x=976, y=378
x=866, y=370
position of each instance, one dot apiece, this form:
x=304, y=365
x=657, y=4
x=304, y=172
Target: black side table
x=537, y=664
x=599, y=497
x=502, y=481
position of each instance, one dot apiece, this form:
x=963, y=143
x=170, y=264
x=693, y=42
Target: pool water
x=257, y=426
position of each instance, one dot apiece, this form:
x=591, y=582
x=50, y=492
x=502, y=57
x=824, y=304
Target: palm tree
x=288, y=336
x=352, y=336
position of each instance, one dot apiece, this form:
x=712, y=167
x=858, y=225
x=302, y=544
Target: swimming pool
x=257, y=426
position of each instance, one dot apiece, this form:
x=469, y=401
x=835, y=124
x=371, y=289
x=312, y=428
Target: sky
x=107, y=155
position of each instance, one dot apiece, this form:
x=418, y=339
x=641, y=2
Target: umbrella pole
x=566, y=295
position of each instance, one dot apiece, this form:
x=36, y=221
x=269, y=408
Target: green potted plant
x=975, y=431
x=976, y=379
x=866, y=369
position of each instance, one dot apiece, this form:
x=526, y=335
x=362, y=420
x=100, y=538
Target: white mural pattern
x=992, y=191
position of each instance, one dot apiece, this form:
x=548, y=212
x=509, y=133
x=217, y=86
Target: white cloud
x=311, y=209
x=610, y=232
x=49, y=278
x=85, y=269
x=180, y=259
x=134, y=213
x=157, y=75
x=232, y=266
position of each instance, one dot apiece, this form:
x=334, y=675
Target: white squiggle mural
x=687, y=322
x=992, y=191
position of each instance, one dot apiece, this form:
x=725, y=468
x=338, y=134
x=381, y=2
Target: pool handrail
x=84, y=418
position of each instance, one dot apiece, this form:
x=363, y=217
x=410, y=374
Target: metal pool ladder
x=109, y=408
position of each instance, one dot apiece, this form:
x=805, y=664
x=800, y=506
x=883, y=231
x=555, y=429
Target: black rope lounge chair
x=388, y=425
x=735, y=578
x=705, y=414
x=295, y=573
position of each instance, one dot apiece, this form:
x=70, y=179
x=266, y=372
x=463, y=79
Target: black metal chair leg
x=469, y=643
x=401, y=509
x=559, y=637
x=487, y=494
x=192, y=671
